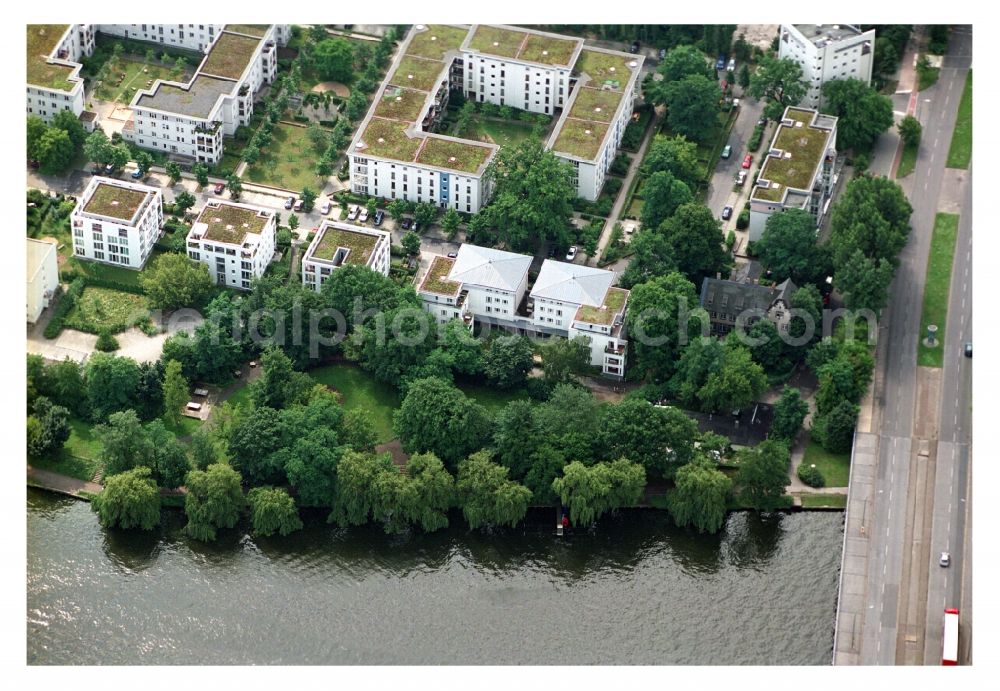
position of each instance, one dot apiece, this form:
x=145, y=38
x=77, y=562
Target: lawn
x=960, y=152
x=107, y=272
x=502, y=132
x=79, y=456
x=359, y=389
x=937, y=287
x=492, y=399
x=908, y=161
x=289, y=162
x=835, y=467
x=135, y=78
x=80, y=468
x=186, y=427
x=103, y=308
x=823, y=501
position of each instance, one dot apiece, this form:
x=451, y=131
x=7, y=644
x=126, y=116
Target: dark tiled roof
x=732, y=298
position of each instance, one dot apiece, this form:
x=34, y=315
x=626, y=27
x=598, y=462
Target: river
x=636, y=590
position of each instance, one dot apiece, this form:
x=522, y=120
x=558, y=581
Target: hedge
x=810, y=475
x=66, y=303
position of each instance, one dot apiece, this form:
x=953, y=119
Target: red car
x=747, y=160
x=219, y=188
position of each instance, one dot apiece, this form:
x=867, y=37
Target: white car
x=325, y=210
x=571, y=255
x=945, y=559
x=353, y=212
x=363, y=216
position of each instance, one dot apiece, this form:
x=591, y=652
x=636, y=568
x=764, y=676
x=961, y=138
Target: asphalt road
x=899, y=464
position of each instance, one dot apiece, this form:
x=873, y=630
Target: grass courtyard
x=289, y=162
x=78, y=457
x=133, y=73
x=103, y=308
x=960, y=151
x=835, y=467
x=501, y=132
x=937, y=287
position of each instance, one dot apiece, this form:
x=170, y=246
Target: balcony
x=615, y=350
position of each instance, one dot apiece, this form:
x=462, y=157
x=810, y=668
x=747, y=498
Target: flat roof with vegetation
x=400, y=104
x=230, y=55
x=195, y=100
x=604, y=69
x=436, y=280
x=504, y=42
x=229, y=223
x=115, y=202
x=388, y=139
x=250, y=29
x=360, y=245
x=802, y=151
x=598, y=105
x=452, y=155
x=42, y=40
x=581, y=138
x=417, y=73
x=614, y=301
x=436, y=40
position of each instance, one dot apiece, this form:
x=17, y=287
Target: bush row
x=66, y=303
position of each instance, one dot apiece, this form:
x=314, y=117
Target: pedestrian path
x=63, y=484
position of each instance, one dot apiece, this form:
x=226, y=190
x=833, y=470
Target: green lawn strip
x=960, y=151
x=908, y=161
x=927, y=78
x=823, y=501
x=835, y=467
x=492, y=399
x=100, y=308
x=289, y=162
x=67, y=464
x=504, y=133
x=936, y=289
x=358, y=389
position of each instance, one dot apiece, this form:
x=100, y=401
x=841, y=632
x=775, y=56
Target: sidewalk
x=63, y=484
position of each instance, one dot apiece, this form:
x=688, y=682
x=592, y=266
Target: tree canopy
x=591, y=491
x=272, y=511
x=863, y=113
x=780, y=83
x=763, y=475
x=788, y=247
x=437, y=417
x=699, y=496
x=662, y=195
x=487, y=496
x=693, y=105
x=213, y=501
x=696, y=242
x=173, y=281
x=129, y=500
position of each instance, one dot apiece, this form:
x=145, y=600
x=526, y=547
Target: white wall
x=44, y=279
x=375, y=176
x=842, y=59
x=502, y=81
x=190, y=36
x=101, y=238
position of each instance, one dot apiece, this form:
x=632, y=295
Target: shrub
x=66, y=303
x=743, y=220
x=754, y=142
x=106, y=342
x=730, y=240
x=811, y=475
x=620, y=165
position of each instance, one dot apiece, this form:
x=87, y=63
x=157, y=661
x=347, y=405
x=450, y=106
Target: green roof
x=492, y=40
x=436, y=280
x=400, y=104
x=417, y=73
x=251, y=29
x=522, y=45
x=387, y=139
x=230, y=224
x=445, y=153
x=114, y=201
x=230, y=55
x=580, y=138
x=614, y=301
x=42, y=40
x=436, y=40
x=807, y=146
x=595, y=104
x=604, y=68
x=547, y=50
x=359, y=245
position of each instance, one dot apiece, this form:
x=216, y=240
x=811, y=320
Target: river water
x=636, y=590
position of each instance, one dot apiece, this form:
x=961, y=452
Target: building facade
x=53, y=68
x=731, y=304
x=235, y=241
x=117, y=222
x=798, y=171
x=42, y=272
x=196, y=37
x=338, y=244
x=826, y=52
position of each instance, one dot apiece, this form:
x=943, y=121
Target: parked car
x=415, y=227
x=407, y=223
x=741, y=178
x=727, y=213
x=363, y=216
x=727, y=151
x=762, y=122
x=289, y=203
x=219, y=188
x=571, y=255
x=732, y=65
x=552, y=252
x=109, y=169
x=325, y=209
x=747, y=160
x=634, y=48
x=352, y=212
x=720, y=63
x=945, y=559
x=299, y=205
x=137, y=173
x=379, y=217
x=968, y=349
x=452, y=255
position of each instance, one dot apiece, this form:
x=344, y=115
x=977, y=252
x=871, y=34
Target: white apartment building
x=522, y=68
x=190, y=119
x=798, y=169
x=42, y=276
x=117, y=222
x=337, y=244
x=827, y=52
x=53, y=68
x=235, y=241
x=189, y=36
x=567, y=300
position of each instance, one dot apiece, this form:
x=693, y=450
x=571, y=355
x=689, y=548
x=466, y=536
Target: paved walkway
x=63, y=484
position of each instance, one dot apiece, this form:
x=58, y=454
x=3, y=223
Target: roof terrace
x=436, y=279
x=614, y=302
x=359, y=245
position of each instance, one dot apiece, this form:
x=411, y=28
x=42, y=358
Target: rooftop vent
x=399, y=98
x=798, y=123
x=611, y=69
x=420, y=27
x=545, y=52
x=597, y=109
x=586, y=131
x=381, y=140
x=434, y=38
x=496, y=43
x=114, y=202
x=452, y=159
x=633, y=64
x=788, y=154
x=229, y=226
x=409, y=76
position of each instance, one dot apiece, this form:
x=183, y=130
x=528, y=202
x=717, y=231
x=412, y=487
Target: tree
x=174, y=171
x=487, y=496
x=129, y=500
x=169, y=459
x=437, y=417
x=514, y=437
x=763, y=475
x=253, y=441
x=693, y=106
x=766, y=347
x=450, y=222
x=592, y=491
x=507, y=361
x=119, y=155
x=214, y=500
x=910, y=130
x=308, y=198
x=699, y=496
x=359, y=431
x=334, y=59
x=175, y=392
x=465, y=351
x=662, y=195
x=863, y=113
x=356, y=475
x=397, y=209
x=111, y=382
x=743, y=77
x=788, y=246
x=234, y=185
x=311, y=449
x=124, y=444
x=97, y=147
x=55, y=151
x=696, y=242
x=424, y=215
x=657, y=322
x=355, y=291
x=36, y=130
x=396, y=343
x=780, y=83
x=279, y=385
x=50, y=429
x=684, y=61
x=737, y=383
x=411, y=243
x=143, y=161
x=864, y=282
x=675, y=155
x=789, y=413
x=872, y=215
x=272, y=511
x=834, y=430
x=660, y=438
x=433, y=489
x=652, y=255
x=69, y=123
x=184, y=201
x=356, y=104
x=700, y=357
x=205, y=449
x=564, y=357
x=807, y=304
x=173, y=281
x=201, y=174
